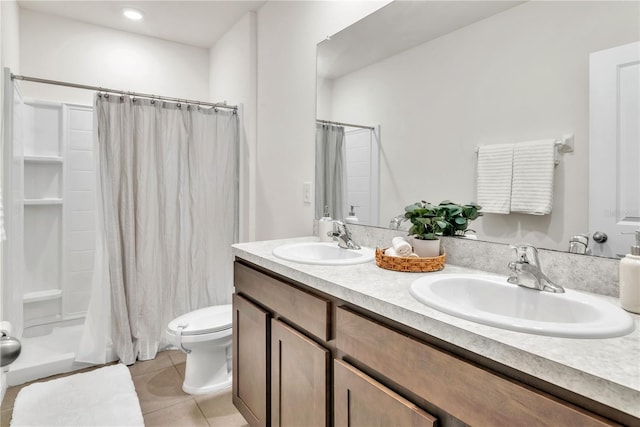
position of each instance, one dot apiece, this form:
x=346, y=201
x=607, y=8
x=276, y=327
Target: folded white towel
x=533, y=168
x=495, y=164
x=390, y=252
x=401, y=246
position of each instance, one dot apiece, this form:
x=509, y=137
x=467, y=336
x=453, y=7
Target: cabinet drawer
x=307, y=311
x=467, y=392
x=360, y=401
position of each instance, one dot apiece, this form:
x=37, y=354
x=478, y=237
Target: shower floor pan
x=47, y=355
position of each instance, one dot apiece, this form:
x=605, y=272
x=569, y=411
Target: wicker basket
x=410, y=264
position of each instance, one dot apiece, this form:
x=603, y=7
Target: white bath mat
x=104, y=397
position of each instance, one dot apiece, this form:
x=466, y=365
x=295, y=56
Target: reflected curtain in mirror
x=330, y=174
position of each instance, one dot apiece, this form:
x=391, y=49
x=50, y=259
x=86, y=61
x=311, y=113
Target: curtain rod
x=327, y=122
x=121, y=92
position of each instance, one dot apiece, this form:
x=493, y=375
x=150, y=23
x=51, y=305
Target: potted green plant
x=457, y=217
x=426, y=224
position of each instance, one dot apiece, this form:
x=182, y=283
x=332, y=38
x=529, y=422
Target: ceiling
x=196, y=23
x=378, y=36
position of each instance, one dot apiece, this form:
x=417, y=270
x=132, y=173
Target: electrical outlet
x=306, y=192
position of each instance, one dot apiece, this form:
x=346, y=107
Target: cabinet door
x=299, y=386
x=250, y=361
x=360, y=401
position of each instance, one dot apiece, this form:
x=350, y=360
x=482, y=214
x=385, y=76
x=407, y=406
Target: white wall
x=62, y=49
x=232, y=78
x=9, y=35
x=287, y=36
x=520, y=75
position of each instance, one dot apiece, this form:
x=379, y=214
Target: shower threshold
x=47, y=355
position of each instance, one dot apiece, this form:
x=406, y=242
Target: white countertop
x=605, y=370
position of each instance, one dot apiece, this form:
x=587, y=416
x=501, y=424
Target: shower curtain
x=168, y=210
x=330, y=171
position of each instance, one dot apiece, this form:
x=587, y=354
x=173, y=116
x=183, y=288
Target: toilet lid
x=206, y=320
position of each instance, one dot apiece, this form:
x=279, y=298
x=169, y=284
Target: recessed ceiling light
x=133, y=14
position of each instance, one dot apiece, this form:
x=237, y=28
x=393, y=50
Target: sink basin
x=492, y=301
x=323, y=253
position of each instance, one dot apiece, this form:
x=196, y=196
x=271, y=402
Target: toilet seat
x=203, y=321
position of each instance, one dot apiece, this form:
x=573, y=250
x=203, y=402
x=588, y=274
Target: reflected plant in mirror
x=458, y=217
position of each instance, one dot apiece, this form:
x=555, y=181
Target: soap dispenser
x=630, y=278
x=351, y=218
x=325, y=226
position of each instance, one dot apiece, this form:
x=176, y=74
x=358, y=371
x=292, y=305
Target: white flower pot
x=426, y=248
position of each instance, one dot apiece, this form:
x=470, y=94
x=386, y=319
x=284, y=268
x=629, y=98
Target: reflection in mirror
x=443, y=78
x=347, y=170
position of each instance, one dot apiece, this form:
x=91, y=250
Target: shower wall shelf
x=52, y=201
x=43, y=159
x=37, y=296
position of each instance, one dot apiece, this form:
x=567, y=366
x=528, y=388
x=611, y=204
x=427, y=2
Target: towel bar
x=563, y=145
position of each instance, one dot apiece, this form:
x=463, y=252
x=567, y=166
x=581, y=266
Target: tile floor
x=158, y=383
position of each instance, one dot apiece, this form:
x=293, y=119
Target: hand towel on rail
x=532, y=185
x=495, y=163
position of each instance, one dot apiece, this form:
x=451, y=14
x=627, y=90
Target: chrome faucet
x=528, y=272
x=579, y=244
x=342, y=235
x=395, y=222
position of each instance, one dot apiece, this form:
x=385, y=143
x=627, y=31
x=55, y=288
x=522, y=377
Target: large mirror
x=434, y=80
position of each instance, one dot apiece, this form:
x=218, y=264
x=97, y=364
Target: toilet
x=205, y=335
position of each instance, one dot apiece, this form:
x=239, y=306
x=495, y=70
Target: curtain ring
x=153, y=101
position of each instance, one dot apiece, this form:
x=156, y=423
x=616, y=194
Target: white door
x=614, y=150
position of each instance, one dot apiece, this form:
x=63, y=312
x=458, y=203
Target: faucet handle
x=340, y=227
x=526, y=252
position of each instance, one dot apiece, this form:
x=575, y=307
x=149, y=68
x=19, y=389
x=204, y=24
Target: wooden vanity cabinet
x=280, y=366
x=467, y=392
x=302, y=358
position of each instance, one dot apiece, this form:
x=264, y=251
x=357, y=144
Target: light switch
x=306, y=192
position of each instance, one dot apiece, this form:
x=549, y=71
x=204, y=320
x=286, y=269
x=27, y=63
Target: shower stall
x=59, y=290
x=49, y=198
